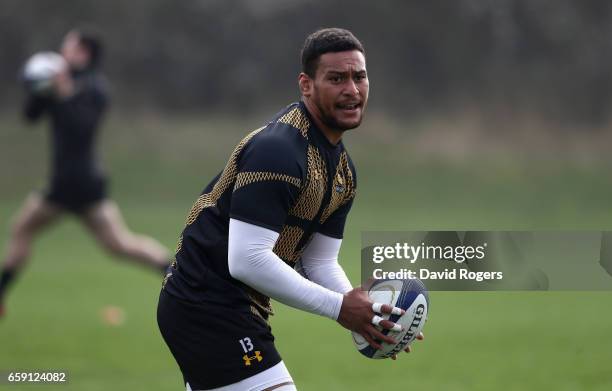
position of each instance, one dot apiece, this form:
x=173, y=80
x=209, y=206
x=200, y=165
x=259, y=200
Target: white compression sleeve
x=320, y=263
x=251, y=260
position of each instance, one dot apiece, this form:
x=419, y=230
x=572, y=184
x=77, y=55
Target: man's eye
x=360, y=78
x=335, y=79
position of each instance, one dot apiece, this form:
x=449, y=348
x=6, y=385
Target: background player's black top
x=76, y=176
x=286, y=177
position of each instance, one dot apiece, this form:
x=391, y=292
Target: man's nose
x=351, y=88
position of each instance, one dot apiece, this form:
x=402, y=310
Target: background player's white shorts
x=276, y=378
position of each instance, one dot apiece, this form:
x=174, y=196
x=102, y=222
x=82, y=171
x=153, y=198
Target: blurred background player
x=75, y=100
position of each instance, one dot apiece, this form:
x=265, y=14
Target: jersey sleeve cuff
x=334, y=235
x=275, y=228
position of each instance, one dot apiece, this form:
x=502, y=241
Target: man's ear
x=306, y=84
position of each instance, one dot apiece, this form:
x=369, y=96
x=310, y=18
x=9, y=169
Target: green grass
x=474, y=340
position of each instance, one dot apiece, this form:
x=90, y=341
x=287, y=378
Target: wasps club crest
x=339, y=183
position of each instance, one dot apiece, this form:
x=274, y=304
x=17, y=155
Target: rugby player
x=270, y=225
x=78, y=185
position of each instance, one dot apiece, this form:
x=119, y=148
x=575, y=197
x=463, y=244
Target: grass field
x=474, y=341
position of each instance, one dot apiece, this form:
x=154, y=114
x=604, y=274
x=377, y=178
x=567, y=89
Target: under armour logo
x=247, y=359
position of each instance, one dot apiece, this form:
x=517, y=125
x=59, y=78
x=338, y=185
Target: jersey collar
x=316, y=133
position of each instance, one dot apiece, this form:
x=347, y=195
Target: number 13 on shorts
x=246, y=344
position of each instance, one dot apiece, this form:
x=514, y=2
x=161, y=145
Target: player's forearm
x=328, y=274
x=320, y=264
x=251, y=260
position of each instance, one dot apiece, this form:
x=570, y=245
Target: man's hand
x=357, y=315
x=420, y=337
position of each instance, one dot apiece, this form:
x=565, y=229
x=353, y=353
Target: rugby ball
x=40, y=69
x=410, y=295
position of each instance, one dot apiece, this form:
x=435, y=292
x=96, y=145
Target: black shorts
x=215, y=345
x=76, y=195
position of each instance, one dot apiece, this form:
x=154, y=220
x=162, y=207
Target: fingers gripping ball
x=409, y=295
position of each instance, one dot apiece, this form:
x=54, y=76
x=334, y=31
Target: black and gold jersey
x=285, y=176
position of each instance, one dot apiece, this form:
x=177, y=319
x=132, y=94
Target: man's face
x=339, y=89
x=73, y=52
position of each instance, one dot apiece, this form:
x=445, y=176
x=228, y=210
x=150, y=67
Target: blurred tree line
x=549, y=58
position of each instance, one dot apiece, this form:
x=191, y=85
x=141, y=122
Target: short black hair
x=91, y=40
x=327, y=40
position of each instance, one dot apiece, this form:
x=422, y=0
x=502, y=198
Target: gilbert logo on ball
x=409, y=295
